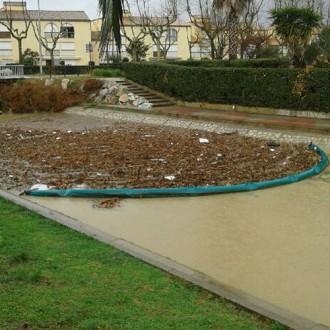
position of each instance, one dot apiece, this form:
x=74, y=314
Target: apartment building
x=173, y=43
x=76, y=36
x=70, y=30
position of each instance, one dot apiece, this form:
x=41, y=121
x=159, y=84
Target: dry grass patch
x=33, y=95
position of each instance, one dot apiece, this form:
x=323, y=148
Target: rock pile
x=115, y=94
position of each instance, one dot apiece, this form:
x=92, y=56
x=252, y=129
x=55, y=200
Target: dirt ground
x=64, y=151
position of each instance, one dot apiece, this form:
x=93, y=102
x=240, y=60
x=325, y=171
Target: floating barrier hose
x=185, y=191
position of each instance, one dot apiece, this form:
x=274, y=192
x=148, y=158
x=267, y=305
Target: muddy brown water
x=273, y=244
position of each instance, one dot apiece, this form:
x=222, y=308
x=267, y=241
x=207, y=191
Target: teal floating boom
x=186, y=191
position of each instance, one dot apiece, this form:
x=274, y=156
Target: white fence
x=11, y=71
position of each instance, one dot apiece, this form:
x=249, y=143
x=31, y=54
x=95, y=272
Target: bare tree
x=158, y=24
x=253, y=35
x=7, y=18
x=136, y=37
x=192, y=41
x=211, y=26
x=49, y=39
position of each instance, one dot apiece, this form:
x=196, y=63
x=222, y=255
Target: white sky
x=88, y=6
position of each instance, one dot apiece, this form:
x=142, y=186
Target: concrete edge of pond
x=232, y=294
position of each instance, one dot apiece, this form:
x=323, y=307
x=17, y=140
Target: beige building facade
x=173, y=43
x=76, y=37
x=70, y=30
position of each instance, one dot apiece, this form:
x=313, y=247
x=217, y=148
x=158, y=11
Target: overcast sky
x=88, y=6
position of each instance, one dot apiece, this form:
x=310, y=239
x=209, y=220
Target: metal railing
x=11, y=71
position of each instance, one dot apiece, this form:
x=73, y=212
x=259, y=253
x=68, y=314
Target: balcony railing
x=11, y=71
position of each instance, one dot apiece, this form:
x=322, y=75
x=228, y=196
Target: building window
x=67, y=31
x=51, y=31
x=5, y=48
x=172, y=36
x=4, y=33
x=56, y=52
x=63, y=50
x=155, y=54
x=68, y=49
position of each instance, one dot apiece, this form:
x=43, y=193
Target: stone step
x=155, y=99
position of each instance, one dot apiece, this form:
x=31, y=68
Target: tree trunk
x=20, y=51
x=233, y=35
x=212, y=49
x=158, y=50
x=51, y=63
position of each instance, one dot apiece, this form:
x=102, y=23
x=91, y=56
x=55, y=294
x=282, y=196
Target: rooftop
x=47, y=15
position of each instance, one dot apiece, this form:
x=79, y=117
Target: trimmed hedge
x=67, y=69
x=273, y=88
x=107, y=72
x=239, y=63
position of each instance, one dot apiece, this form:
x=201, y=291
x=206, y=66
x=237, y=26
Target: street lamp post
x=39, y=38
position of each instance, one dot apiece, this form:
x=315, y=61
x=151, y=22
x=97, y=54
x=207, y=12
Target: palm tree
x=295, y=26
x=234, y=9
x=112, y=18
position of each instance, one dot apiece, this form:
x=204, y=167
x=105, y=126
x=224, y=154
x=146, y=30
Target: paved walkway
x=267, y=250
x=264, y=120
x=177, y=116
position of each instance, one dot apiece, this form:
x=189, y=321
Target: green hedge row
x=66, y=69
x=273, y=88
x=244, y=63
x=239, y=63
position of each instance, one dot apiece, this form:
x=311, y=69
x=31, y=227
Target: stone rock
x=109, y=84
x=113, y=90
x=65, y=83
x=121, y=91
x=123, y=98
x=103, y=93
x=132, y=97
x=110, y=99
x=136, y=102
x=49, y=82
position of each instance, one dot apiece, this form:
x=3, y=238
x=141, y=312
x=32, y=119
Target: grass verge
x=54, y=278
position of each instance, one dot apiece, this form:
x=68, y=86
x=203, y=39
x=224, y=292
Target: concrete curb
x=239, y=297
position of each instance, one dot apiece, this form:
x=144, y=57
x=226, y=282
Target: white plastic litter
x=39, y=186
x=203, y=140
x=144, y=106
x=170, y=177
x=80, y=186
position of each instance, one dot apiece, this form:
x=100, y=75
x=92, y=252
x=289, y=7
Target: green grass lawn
x=54, y=278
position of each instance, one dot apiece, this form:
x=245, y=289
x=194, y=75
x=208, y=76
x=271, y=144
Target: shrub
x=92, y=85
x=253, y=87
x=107, y=73
x=33, y=96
